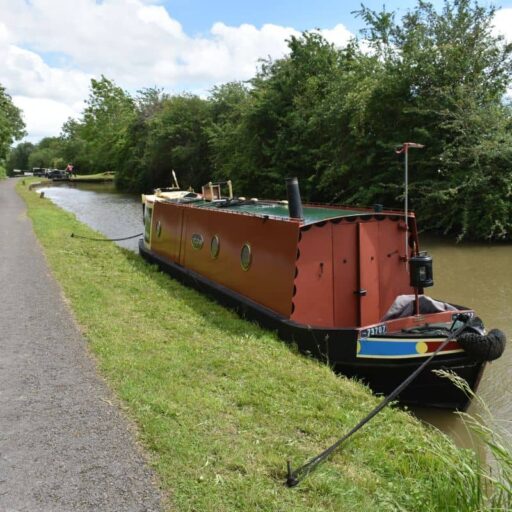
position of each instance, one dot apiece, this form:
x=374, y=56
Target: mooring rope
x=106, y=239
x=294, y=477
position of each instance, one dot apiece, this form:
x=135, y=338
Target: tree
x=447, y=74
x=47, y=154
x=11, y=124
x=228, y=153
x=178, y=139
x=18, y=157
x=280, y=133
x=103, y=128
x=133, y=173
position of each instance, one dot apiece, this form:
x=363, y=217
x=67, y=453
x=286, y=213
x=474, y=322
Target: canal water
x=479, y=276
x=474, y=275
x=100, y=206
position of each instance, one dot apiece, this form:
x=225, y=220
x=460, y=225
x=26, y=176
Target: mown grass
x=101, y=176
x=221, y=404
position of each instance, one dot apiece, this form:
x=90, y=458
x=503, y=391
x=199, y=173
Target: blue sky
x=197, y=16
x=50, y=49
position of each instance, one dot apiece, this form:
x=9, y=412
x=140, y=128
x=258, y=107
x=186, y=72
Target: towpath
x=64, y=445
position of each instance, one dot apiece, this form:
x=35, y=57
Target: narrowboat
x=344, y=284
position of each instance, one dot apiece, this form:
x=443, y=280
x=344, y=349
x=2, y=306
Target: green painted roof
x=312, y=214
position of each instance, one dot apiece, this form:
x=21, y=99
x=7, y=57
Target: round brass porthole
x=215, y=247
x=158, y=229
x=246, y=257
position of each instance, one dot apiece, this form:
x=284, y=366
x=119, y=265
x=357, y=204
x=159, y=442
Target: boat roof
x=263, y=208
x=279, y=210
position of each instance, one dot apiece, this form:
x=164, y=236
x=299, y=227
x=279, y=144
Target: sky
x=50, y=49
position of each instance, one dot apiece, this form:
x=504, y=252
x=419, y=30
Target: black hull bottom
x=335, y=347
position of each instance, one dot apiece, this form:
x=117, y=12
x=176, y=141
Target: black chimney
x=294, y=201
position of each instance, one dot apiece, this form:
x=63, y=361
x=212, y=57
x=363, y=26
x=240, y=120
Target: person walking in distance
x=70, y=171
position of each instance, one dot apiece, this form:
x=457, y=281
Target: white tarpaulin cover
x=404, y=306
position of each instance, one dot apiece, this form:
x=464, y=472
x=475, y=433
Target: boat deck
x=312, y=214
x=264, y=208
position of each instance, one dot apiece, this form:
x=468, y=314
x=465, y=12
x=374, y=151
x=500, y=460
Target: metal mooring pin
x=291, y=481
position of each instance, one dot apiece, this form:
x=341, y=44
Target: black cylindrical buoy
x=294, y=200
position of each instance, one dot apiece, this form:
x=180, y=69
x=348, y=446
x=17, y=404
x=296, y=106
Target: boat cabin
x=318, y=265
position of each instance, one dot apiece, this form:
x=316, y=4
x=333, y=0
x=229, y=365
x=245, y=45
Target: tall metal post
x=405, y=149
x=406, y=207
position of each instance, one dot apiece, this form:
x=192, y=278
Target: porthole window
x=246, y=257
x=148, y=212
x=197, y=241
x=158, y=229
x=215, y=247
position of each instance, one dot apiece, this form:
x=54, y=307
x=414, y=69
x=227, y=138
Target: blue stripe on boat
x=383, y=348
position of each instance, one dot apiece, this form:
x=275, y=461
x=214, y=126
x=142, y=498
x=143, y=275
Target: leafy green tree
x=282, y=134
x=178, y=139
x=447, y=74
x=18, y=157
x=104, y=125
x=47, y=154
x=74, y=146
x=228, y=151
x=11, y=124
x=133, y=173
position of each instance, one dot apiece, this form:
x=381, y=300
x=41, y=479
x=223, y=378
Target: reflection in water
x=475, y=275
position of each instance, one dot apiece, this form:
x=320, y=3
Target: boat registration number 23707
x=376, y=330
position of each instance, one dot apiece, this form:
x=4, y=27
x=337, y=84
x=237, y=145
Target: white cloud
x=46, y=95
x=339, y=35
x=503, y=23
x=25, y=73
x=233, y=52
x=135, y=42
x=44, y=117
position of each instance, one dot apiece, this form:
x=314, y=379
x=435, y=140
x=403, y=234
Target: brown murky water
x=478, y=276
x=475, y=275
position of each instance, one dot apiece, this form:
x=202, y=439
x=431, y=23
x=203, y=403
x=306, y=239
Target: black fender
x=483, y=347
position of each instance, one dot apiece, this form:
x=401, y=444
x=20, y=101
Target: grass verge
x=101, y=176
x=221, y=404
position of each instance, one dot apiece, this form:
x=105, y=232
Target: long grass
x=492, y=477
x=221, y=404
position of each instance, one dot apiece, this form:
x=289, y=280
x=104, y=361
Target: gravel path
x=64, y=445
